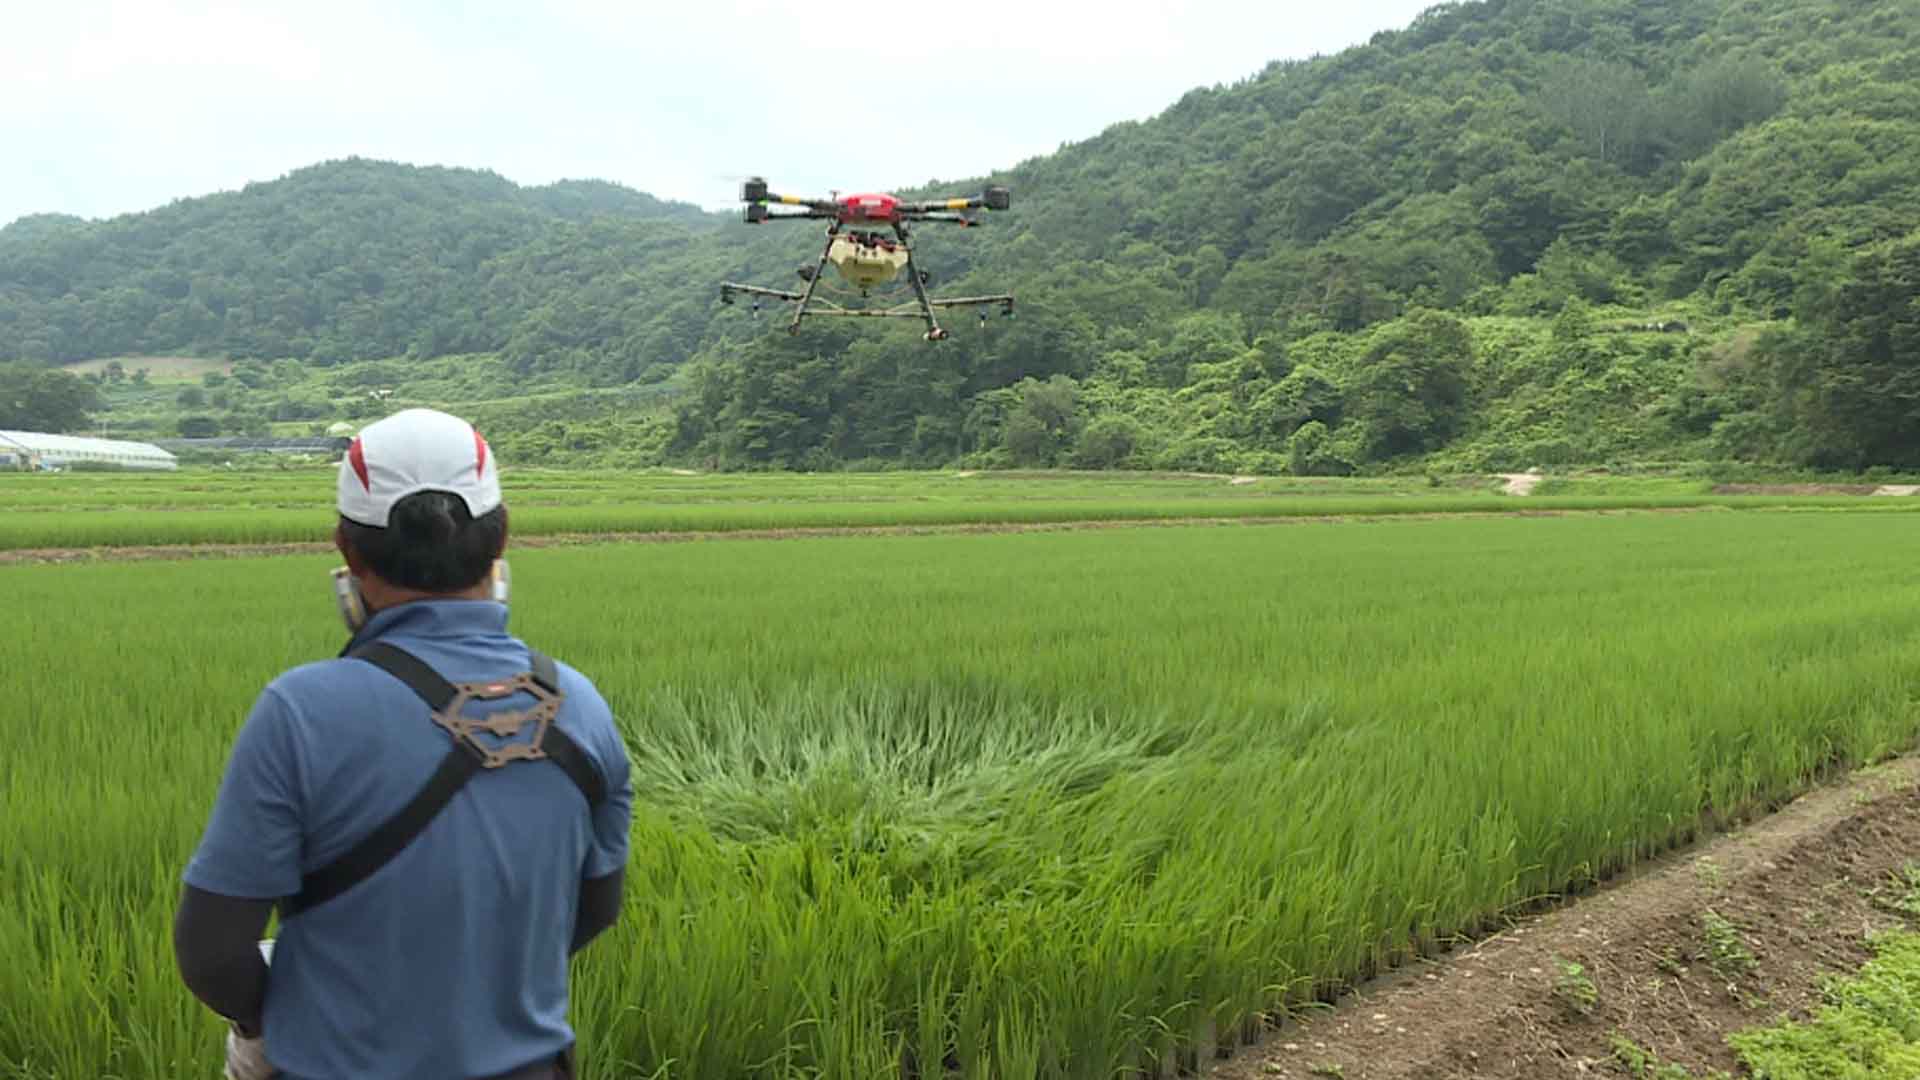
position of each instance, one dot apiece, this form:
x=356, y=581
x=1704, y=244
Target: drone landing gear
x=919, y=279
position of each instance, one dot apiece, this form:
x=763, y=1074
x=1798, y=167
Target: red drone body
x=869, y=210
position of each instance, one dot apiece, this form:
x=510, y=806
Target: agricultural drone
x=868, y=244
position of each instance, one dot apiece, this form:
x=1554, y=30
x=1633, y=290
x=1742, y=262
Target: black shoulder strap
x=574, y=761
x=425, y=682
x=380, y=846
x=560, y=746
x=545, y=671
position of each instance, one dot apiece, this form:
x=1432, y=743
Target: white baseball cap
x=413, y=451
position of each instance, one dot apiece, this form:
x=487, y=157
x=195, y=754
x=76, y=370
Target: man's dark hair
x=431, y=543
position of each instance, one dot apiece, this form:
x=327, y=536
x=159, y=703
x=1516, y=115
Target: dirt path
x=1722, y=937
x=1519, y=483
x=1898, y=490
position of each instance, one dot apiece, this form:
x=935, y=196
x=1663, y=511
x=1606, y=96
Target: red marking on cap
x=480, y=455
x=357, y=457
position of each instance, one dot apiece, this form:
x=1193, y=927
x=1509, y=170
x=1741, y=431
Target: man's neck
x=392, y=596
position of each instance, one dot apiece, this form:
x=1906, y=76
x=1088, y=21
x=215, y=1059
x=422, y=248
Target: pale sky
x=113, y=106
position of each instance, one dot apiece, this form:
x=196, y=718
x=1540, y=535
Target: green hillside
x=348, y=260
x=1516, y=233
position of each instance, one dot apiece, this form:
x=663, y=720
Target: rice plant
x=1049, y=805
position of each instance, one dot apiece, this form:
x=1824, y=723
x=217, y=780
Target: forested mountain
x=1517, y=232
x=348, y=260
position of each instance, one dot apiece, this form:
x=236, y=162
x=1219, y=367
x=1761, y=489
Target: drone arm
x=961, y=220
x=727, y=288
x=1005, y=300
x=814, y=207
x=994, y=198
x=929, y=206
x=758, y=213
x=760, y=202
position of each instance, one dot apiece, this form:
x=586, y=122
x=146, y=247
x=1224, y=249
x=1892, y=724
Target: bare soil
x=1795, y=489
x=159, y=367
x=1520, y=483
x=1799, y=891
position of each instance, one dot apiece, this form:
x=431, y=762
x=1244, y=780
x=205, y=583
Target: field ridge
x=1804, y=890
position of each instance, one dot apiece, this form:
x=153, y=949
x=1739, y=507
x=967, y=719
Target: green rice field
x=280, y=507
x=1063, y=804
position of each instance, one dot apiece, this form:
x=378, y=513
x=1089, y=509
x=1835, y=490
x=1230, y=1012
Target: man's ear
x=352, y=557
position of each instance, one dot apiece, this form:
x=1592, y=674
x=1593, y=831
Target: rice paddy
x=1078, y=804
x=280, y=507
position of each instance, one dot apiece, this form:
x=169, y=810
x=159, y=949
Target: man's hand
x=247, y=1058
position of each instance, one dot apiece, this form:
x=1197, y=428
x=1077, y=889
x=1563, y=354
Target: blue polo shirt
x=450, y=962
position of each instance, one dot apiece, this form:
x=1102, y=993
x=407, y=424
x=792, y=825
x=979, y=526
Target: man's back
x=451, y=960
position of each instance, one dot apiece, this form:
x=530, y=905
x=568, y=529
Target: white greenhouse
x=33, y=450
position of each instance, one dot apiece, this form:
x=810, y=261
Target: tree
x=1043, y=420
x=1311, y=452
x=1410, y=391
x=1204, y=337
x=1706, y=105
x=1855, y=374
x=1604, y=104
x=1306, y=395
x=34, y=398
x=1107, y=442
x=1641, y=232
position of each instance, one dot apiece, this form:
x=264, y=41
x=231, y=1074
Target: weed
x=1631, y=1056
x=1901, y=894
x=1670, y=962
x=1642, y=1063
x=1865, y=1029
x=1726, y=951
x=1573, y=988
x=1709, y=874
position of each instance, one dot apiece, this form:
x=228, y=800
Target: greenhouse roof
x=35, y=442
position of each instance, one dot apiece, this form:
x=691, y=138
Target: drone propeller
x=759, y=198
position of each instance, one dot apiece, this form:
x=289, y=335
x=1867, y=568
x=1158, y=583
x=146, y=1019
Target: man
x=440, y=815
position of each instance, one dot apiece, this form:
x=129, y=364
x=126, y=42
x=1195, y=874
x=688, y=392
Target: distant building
x=34, y=450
